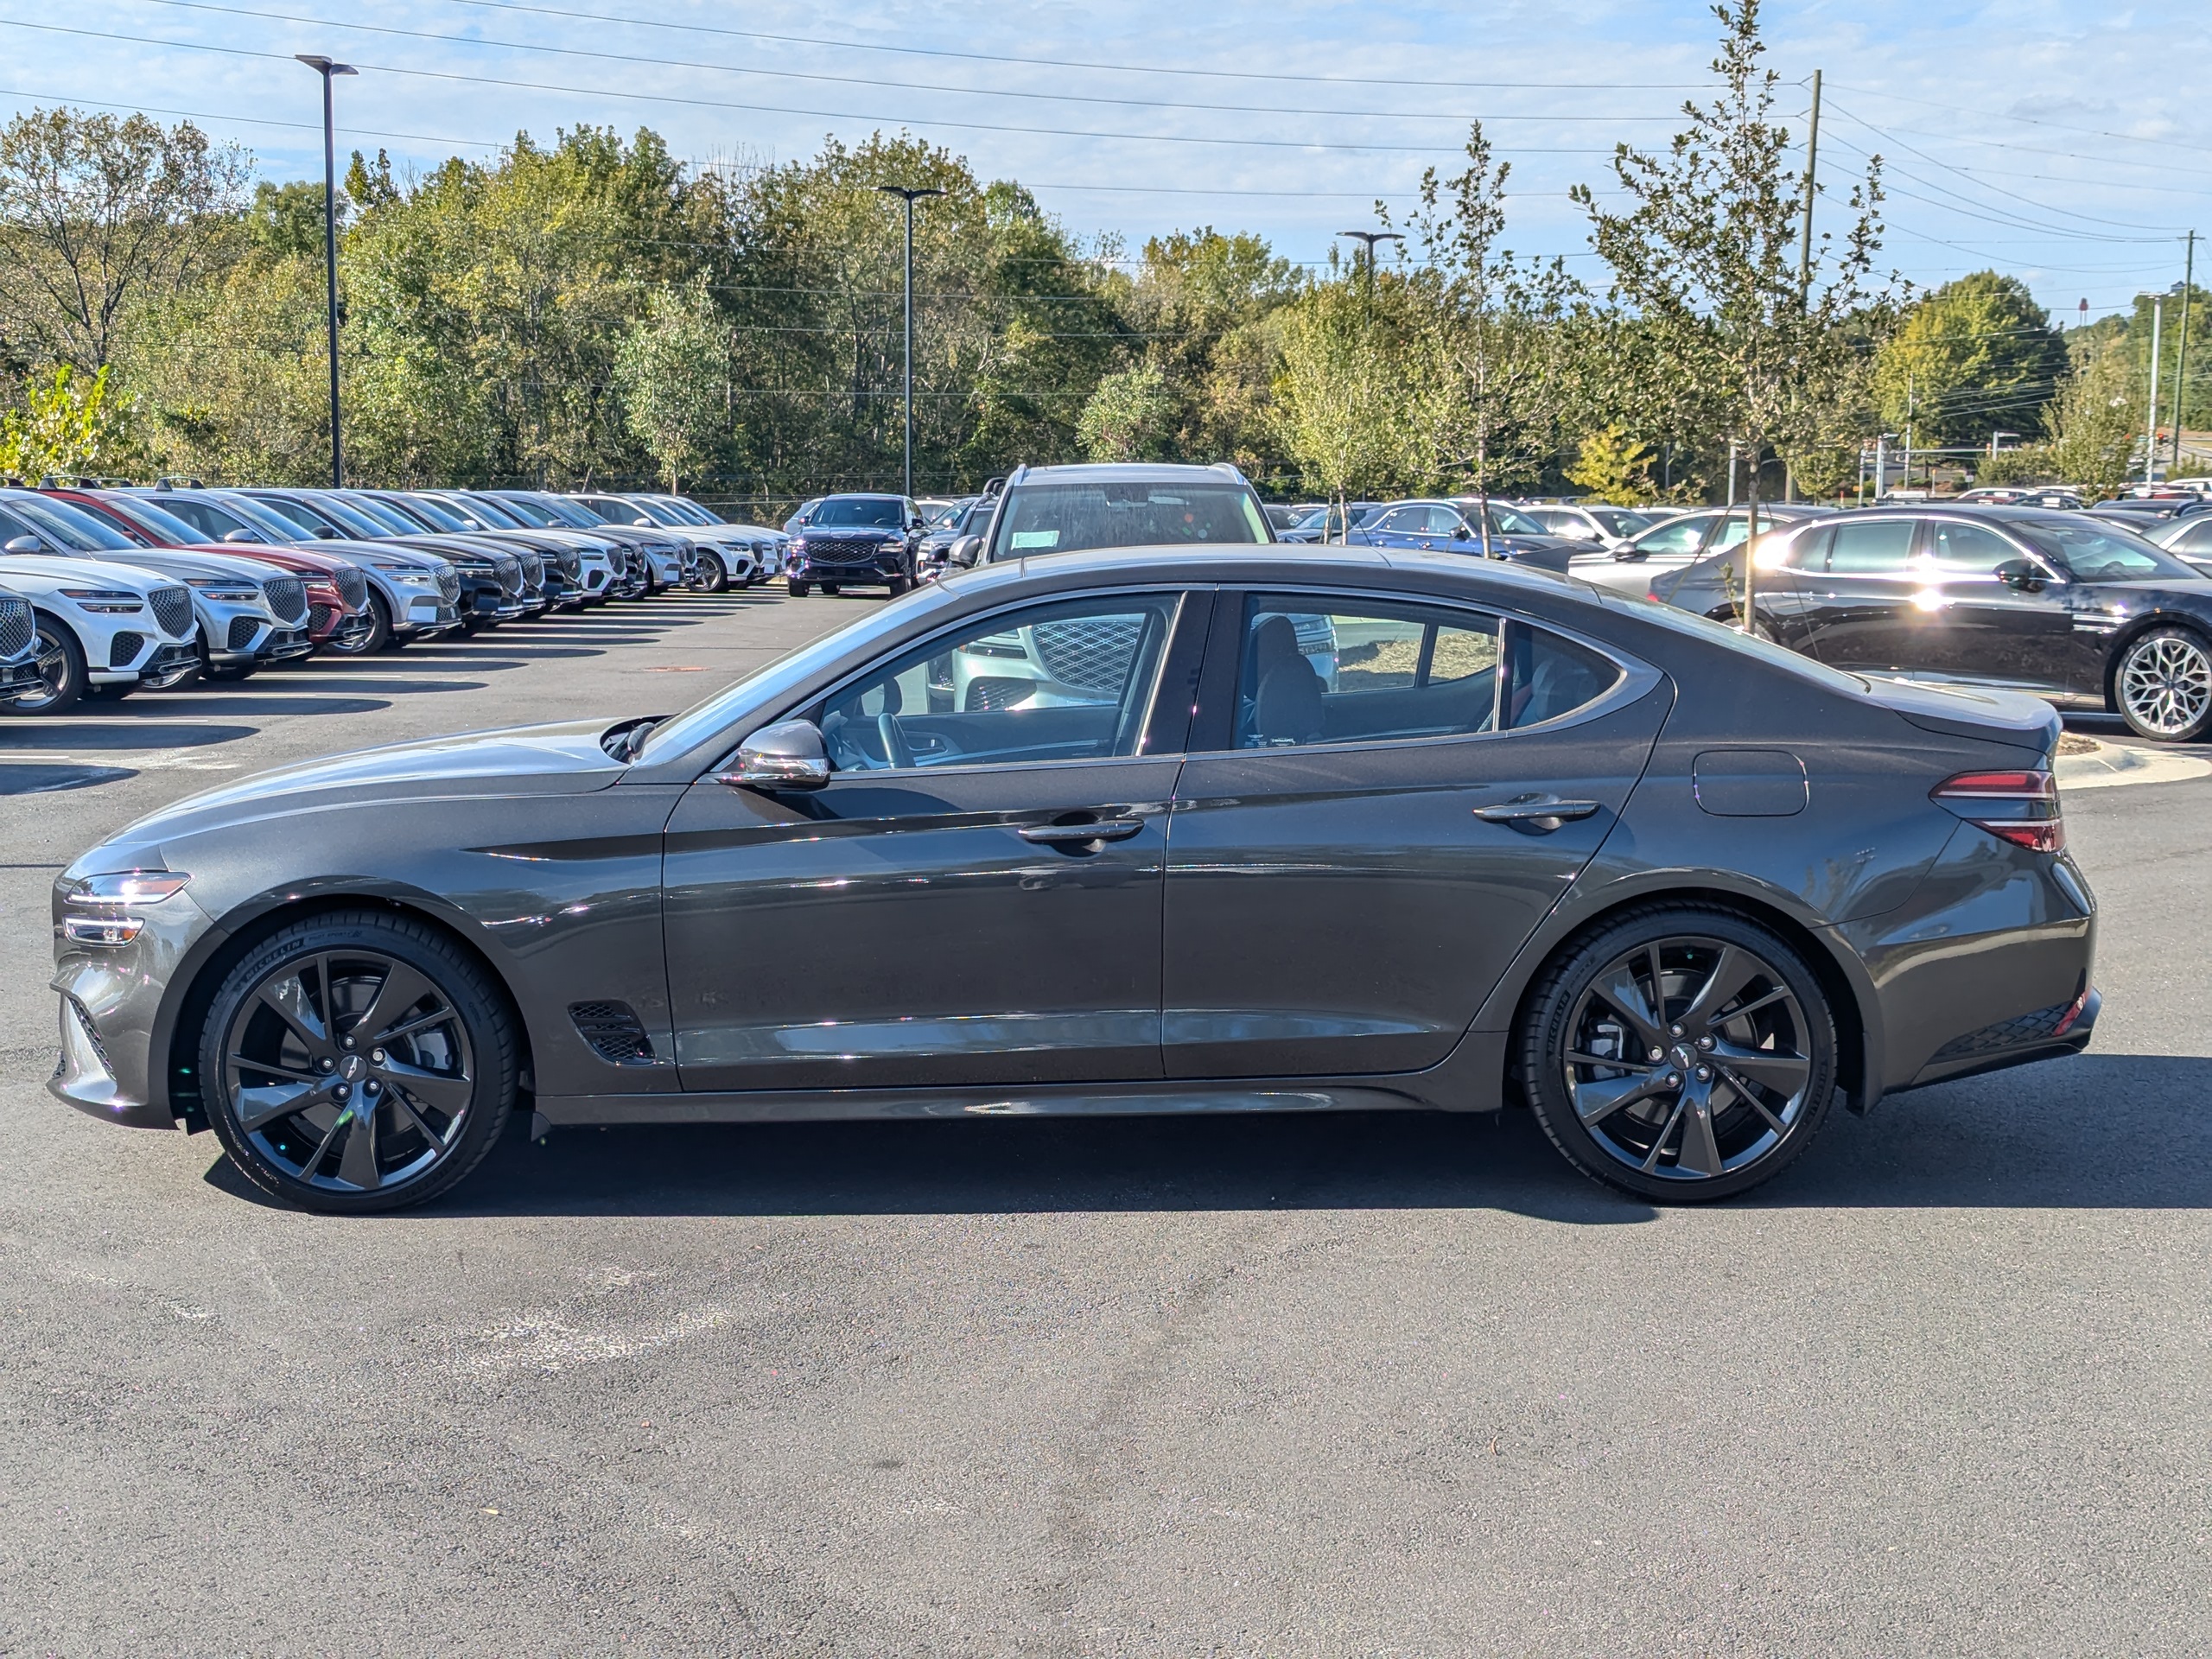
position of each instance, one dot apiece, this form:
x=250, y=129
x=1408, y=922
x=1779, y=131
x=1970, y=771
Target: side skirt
x=1129, y=1100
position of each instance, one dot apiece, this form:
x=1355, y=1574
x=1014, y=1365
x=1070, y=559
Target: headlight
x=104, y=599
x=406, y=573
x=799, y=544
x=225, y=588
x=108, y=898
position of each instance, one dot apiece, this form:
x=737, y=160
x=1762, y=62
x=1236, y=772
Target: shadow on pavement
x=128, y=731
x=2093, y=1132
x=17, y=778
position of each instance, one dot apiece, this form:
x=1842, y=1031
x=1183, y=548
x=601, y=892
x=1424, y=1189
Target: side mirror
x=919, y=523
x=241, y=536
x=1627, y=552
x=967, y=550
x=786, y=756
x=2021, y=575
x=24, y=544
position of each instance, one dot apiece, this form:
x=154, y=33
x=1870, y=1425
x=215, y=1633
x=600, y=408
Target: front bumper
x=19, y=676
x=883, y=567
x=111, y=1003
x=417, y=614
x=283, y=645
x=169, y=665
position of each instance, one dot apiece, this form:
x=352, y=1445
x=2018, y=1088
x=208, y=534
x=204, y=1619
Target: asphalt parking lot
x=1347, y=1385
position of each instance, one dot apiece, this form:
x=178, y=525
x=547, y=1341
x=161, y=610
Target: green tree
x=2097, y=419
x=674, y=368
x=1974, y=357
x=1613, y=466
x=1707, y=256
x=99, y=216
x=287, y=218
x=1132, y=417
x=1343, y=396
x=69, y=423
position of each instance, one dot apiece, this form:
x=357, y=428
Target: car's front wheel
x=2162, y=685
x=364, y=641
x=1680, y=1054
x=357, y=1061
x=796, y=589
x=62, y=676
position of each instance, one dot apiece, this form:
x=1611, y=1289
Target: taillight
x=2021, y=807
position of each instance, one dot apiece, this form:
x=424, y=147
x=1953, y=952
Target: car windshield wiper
x=622, y=742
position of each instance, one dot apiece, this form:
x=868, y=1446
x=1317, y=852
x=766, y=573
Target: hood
x=177, y=562
x=37, y=570
x=560, y=759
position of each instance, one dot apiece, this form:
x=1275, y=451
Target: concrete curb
x=2112, y=766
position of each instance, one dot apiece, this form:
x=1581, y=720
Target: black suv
x=851, y=541
x=1123, y=504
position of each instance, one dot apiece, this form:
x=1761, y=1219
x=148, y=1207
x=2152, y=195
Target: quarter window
x=1376, y=672
x=1071, y=680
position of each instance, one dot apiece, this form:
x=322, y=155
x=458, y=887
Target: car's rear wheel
x=62, y=675
x=1680, y=1054
x=356, y=1062
x=2163, y=685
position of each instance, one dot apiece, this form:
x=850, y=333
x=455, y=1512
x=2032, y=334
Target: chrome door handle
x=1080, y=835
x=1536, y=814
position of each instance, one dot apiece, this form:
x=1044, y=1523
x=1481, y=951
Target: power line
x=870, y=81
x=998, y=59
x=2031, y=120
x=782, y=109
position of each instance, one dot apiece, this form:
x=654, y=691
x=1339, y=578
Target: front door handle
x=1080, y=835
x=1535, y=814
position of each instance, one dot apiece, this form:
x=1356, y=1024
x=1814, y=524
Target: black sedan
x=1197, y=830
x=2068, y=607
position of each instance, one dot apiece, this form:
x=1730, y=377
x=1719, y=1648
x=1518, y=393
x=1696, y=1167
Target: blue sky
x=2059, y=140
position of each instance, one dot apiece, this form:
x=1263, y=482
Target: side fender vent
x=614, y=1031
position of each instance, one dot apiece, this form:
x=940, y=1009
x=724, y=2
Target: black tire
x=1704, y=1102
x=901, y=585
x=830, y=588
x=798, y=589
x=61, y=666
x=114, y=691
x=437, y=1112
x=226, y=675
x=378, y=635
x=2162, y=685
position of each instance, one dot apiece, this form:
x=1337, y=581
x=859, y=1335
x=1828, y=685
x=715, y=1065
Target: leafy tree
x=1706, y=256
x=1976, y=356
x=98, y=216
x=674, y=368
x=287, y=218
x=1342, y=398
x=1614, y=467
x=1132, y=417
x=69, y=423
x=2097, y=418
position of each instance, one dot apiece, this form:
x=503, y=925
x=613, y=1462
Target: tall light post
x=1370, y=238
x=326, y=68
x=910, y=194
x=2151, y=407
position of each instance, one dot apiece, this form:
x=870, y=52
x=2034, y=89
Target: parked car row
x=105, y=591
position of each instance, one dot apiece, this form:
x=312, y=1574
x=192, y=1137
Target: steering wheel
x=896, y=749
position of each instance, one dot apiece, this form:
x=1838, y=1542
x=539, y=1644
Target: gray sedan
x=1098, y=833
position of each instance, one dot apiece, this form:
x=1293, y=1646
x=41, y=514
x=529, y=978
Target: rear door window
x=1879, y=547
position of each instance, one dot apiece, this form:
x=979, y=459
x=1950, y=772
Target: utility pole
x=1731, y=472
x=909, y=192
x=2151, y=410
x=325, y=68
x=2181, y=362
x=1909, y=408
x=1805, y=229
x=1370, y=238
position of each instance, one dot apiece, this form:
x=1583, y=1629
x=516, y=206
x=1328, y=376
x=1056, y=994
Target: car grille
x=613, y=1030
x=17, y=627
x=510, y=573
x=121, y=649
x=1091, y=652
x=571, y=562
x=533, y=570
x=288, y=597
x=242, y=631
x=988, y=696
x=449, y=587
x=173, y=609
x=353, y=587
x=318, y=618
x=820, y=551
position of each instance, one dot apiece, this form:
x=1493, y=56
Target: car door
x=1361, y=844
x=973, y=898
x=1857, y=611
x=1398, y=527
x=1981, y=627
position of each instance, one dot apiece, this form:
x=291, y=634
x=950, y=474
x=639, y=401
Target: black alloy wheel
x=62, y=676
x=2163, y=685
x=356, y=1062
x=1680, y=1054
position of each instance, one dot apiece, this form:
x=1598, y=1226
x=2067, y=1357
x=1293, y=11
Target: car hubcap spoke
x=1689, y=1058
x=2166, y=685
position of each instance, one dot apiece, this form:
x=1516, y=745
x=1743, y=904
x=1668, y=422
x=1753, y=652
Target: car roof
x=1273, y=564
x=1127, y=471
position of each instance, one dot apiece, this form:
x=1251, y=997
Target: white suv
x=104, y=627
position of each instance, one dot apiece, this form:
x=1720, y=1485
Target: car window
x=1734, y=527
x=858, y=512
x=1957, y=550
x=2195, y=537
x=1619, y=522
x=1071, y=681
x=2093, y=552
x=71, y=529
x=1070, y=518
x=1403, y=521
x=1878, y=547
x=1806, y=550
x=1675, y=536
x=1361, y=671
x=1511, y=521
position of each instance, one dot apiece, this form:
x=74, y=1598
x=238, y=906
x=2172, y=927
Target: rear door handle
x=1535, y=814
x=1080, y=835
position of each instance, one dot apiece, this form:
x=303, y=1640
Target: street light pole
x=2150, y=408
x=909, y=192
x=1370, y=238
x=325, y=68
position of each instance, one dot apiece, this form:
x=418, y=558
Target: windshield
x=2101, y=553
x=350, y=521
x=67, y=526
x=529, y=513
x=494, y=515
x=384, y=513
x=689, y=511
x=1504, y=521
x=162, y=526
x=947, y=513
x=428, y=514
x=1069, y=517
x=571, y=513
x=860, y=512
x=261, y=518
x=1617, y=522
